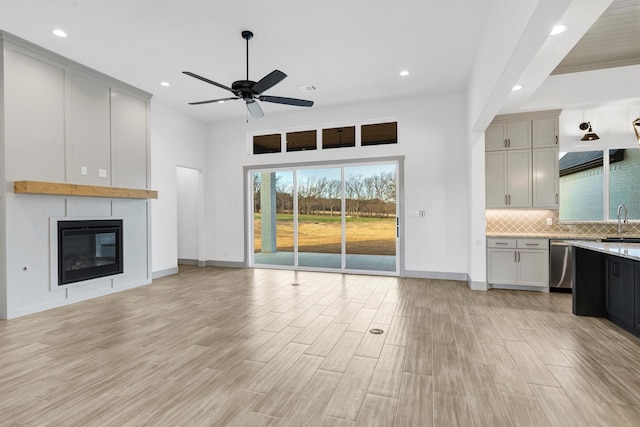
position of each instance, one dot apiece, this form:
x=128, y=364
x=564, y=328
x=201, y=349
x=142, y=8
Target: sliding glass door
x=370, y=225
x=335, y=218
x=319, y=217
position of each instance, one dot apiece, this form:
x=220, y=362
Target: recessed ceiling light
x=557, y=29
x=60, y=33
x=404, y=73
x=517, y=87
x=165, y=84
x=308, y=88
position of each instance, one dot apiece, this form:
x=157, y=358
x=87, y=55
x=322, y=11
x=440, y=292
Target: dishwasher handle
x=560, y=243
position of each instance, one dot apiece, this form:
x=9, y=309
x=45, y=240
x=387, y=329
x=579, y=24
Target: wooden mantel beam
x=60, y=189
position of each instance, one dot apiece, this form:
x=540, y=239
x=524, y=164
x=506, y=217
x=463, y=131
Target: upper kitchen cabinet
x=521, y=165
x=545, y=132
x=67, y=123
x=508, y=179
x=546, y=178
x=508, y=135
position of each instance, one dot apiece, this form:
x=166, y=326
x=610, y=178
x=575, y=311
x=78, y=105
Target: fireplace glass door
x=88, y=250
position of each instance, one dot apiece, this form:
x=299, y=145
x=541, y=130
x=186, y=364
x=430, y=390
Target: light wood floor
x=244, y=347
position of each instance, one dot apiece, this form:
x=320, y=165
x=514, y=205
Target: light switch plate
x=83, y=170
x=102, y=173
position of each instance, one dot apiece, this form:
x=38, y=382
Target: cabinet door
x=621, y=289
x=545, y=133
x=502, y=266
x=637, y=296
x=519, y=134
x=496, y=179
x=533, y=267
x=519, y=179
x=614, y=288
x=545, y=178
x=495, y=137
x=627, y=291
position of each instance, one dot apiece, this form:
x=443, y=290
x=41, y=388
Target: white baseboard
x=439, y=275
x=166, y=272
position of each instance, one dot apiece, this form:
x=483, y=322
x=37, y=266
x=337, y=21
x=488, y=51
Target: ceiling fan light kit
x=250, y=91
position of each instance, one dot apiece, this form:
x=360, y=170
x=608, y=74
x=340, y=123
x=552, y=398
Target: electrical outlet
x=549, y=221
x=83, y=170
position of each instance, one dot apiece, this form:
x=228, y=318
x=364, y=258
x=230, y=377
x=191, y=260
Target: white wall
x=176, y=140
x=432, y=137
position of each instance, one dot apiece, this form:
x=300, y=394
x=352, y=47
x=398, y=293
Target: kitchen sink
x=622, y=240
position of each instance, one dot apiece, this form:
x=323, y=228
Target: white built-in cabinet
x=521, y=161
x=67, y=123
x=518, y=262
x=508, y=178
x=513, y=135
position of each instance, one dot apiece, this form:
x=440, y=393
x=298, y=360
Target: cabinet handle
x=509, y=199
x=556, y=139
x=504, y=144
x=532, y=244
x=518, y=256
x=505, y=199
x=501, y=243
x=508, y=142
x=556, y=198
x=515, y=256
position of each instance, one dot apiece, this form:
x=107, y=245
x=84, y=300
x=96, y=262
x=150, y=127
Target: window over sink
x=594, y=183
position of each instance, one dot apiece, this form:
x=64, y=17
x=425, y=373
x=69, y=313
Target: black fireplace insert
x=88, y=250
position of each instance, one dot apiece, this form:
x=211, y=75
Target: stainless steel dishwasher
x=560, y=266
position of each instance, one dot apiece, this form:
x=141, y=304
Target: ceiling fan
x=250, y=91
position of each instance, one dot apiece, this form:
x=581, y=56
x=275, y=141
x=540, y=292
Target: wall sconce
x=590, y=135
x=636, y=128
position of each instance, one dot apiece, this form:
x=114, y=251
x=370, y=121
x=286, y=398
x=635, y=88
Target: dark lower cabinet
x=637, y=284
x=621, y=291
x=607, y=286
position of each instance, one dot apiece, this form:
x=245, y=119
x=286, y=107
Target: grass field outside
x=322, y=234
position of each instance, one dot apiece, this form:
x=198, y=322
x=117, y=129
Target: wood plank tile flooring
x=242, y=347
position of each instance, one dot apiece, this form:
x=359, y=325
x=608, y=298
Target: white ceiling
x=352, y=50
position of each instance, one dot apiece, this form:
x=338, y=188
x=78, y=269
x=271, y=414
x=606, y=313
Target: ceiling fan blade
x=268, y=81
x=214, y=100
x=206, y=80
x=254, y=109
x=287, y=101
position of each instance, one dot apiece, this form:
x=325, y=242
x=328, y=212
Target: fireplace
x=88, y=250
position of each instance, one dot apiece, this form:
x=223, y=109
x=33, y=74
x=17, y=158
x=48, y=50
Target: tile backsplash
x=534, y=221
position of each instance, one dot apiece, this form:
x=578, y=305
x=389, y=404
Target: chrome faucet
x=626, y=218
